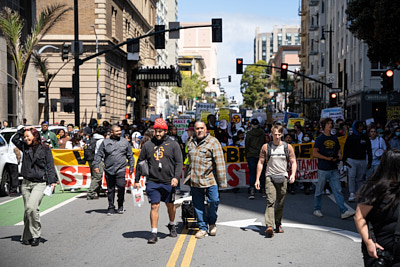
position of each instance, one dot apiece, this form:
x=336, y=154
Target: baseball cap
x=44, y=122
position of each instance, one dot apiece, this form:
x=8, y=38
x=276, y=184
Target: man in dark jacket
x=114, y=151
x=255, y=139
x=356, y=150
x=164, y=157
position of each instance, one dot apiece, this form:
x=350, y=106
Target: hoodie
x=357, y=146
x=255, y=139
x=99, y=139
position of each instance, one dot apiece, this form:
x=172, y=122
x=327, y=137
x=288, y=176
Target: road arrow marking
x=253, y=225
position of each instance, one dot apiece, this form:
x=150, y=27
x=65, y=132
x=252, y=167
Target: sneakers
x=347, y=214
x=92, y=197
x=327, y=192
x=212, y=230
x=318, y=213
x=252, y=193
x=269, y=232
x=121, y=210
x=279, y=229
x=14, y=194
x=172, y=230
x=152, y=239
x=201, y=234
x=110, y=211
x=352, y=197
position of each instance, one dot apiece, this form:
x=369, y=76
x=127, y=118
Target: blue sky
x=239, y=22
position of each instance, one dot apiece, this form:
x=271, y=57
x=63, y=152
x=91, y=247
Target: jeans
x=356, y=174
x=112, y=181
x=210, y=216
x=32, y=194
x=334, y=181
x=276, y=194
x=371, y=171
x=252, y=165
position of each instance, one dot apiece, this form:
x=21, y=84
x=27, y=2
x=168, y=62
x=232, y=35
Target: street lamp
x=97, y=75
x=330, y=45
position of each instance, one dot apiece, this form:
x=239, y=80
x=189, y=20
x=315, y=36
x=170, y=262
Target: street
x=77, y=232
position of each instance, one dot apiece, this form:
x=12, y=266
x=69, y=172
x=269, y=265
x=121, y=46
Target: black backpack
x=286, y=149
x=90, y=149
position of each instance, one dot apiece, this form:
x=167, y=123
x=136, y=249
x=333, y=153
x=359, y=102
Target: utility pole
x=76, y=66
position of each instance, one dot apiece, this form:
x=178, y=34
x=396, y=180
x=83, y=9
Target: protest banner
x=237, y=120
x=278, y=117
x=393, y=112
x=289, y=115
x=333, y=113
x=224, y=114
x=208, y=107
x=292, y=121
x=181, y=125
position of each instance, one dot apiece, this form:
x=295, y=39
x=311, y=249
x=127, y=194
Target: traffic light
x=216, y=30
x=41, y=89
x=272, y=100
x=229, y=78
x=102, y=100
x=160, y=37
x=387, y=81
x=332, y=99
x=64, y=51
x=128, y=116
x=239, y=66
x=213, y=81
x=284, y=68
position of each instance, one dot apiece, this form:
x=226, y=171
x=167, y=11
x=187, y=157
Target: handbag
x=379, y=152
x=143, y=168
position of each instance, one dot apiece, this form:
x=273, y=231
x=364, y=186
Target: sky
x=239, y=21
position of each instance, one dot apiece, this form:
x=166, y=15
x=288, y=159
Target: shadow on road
x=17, y=238
x=103, y=211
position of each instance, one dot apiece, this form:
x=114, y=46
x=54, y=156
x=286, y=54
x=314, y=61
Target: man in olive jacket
x=255, y=139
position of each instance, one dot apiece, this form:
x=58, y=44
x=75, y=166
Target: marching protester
x=90, y=152
x=13, y=159
x=205, y=172
x=114, y=151
x=164, y=159
x=356, y=149
x=276, y=154
x=62, y=138
x=38, y=171
x=377, y=213
x=327, y=151
x=378, y=146
x=395, y=140
x=48, y=136
x=75, y=142
x=255, y=139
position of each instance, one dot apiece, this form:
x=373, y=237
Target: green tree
x=376, y=22
x=11, y=25
x=192, y=86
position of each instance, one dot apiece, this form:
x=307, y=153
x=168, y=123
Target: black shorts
x=160, y=192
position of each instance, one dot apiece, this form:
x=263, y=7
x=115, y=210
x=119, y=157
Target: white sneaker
x=327, y=192
x=318, y=213
x=347, y=214
x=212, y=230
x=352, y=197
x=200, y=234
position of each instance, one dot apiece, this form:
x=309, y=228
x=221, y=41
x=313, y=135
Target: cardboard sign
x=181, y=125
x=293, y=121
x=208, y=107
x=333, y=113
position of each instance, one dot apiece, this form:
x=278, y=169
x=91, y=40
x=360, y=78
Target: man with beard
x=164, y=158
x=114, y=151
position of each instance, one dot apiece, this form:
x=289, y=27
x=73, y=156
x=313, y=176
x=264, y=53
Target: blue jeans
x=252, y=165
x=356, y=174
x=210, y=216
x=334, y=181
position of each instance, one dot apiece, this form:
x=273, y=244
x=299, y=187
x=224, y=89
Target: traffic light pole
x=76, y=67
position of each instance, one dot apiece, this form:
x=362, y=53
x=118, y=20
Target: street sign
x=330, y=78
x=335, y=90
x=286, y=86
x=375, y=97
x=271, y=90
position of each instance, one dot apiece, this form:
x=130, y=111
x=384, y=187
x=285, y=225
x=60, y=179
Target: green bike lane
x=12, y=212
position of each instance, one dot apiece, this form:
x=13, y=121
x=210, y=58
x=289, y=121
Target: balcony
x=314, y=2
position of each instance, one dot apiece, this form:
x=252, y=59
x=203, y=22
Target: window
x=289, y=38
x=113, y=22
x=296, y=39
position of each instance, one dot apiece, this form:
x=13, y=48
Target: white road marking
x=14, y=198
x=56, y=206
x=252, y=224
x=332, y=197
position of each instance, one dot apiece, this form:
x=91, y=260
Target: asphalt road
x=80, y=233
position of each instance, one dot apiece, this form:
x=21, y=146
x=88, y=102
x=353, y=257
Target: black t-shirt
x=383, y=224
x=328, y=146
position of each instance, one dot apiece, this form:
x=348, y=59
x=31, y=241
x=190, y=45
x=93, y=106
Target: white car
x=5, y=136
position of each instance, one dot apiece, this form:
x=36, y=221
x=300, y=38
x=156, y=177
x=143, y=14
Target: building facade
x=267, y=44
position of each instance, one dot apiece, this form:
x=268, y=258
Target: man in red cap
x=164, y=158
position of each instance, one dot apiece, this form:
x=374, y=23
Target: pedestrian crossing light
x=284, y=68
x=239, y=66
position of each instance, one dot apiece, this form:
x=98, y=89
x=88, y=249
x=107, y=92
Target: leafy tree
x=11, y=25
x=376, y=22
x=192, y=86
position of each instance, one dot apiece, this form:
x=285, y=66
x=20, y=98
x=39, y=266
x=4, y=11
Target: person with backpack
x=89, y=153
x=327, y=151
x=277, y=154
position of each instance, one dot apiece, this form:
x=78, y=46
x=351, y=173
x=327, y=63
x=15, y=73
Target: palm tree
x=11, y=25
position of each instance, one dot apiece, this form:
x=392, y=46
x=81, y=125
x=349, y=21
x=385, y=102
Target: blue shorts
x=160, y=192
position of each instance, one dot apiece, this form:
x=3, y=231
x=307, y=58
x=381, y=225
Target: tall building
x=267, y=44
x=197, y=42
x=332, y=54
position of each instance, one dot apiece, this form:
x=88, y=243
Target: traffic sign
x=335, y=90
x=330, y=78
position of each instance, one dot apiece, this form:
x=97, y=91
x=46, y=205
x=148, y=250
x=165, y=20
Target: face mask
x=306, y=139
x=397, y=133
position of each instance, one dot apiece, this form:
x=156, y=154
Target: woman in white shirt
x=378, y=146
x=75, y=142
